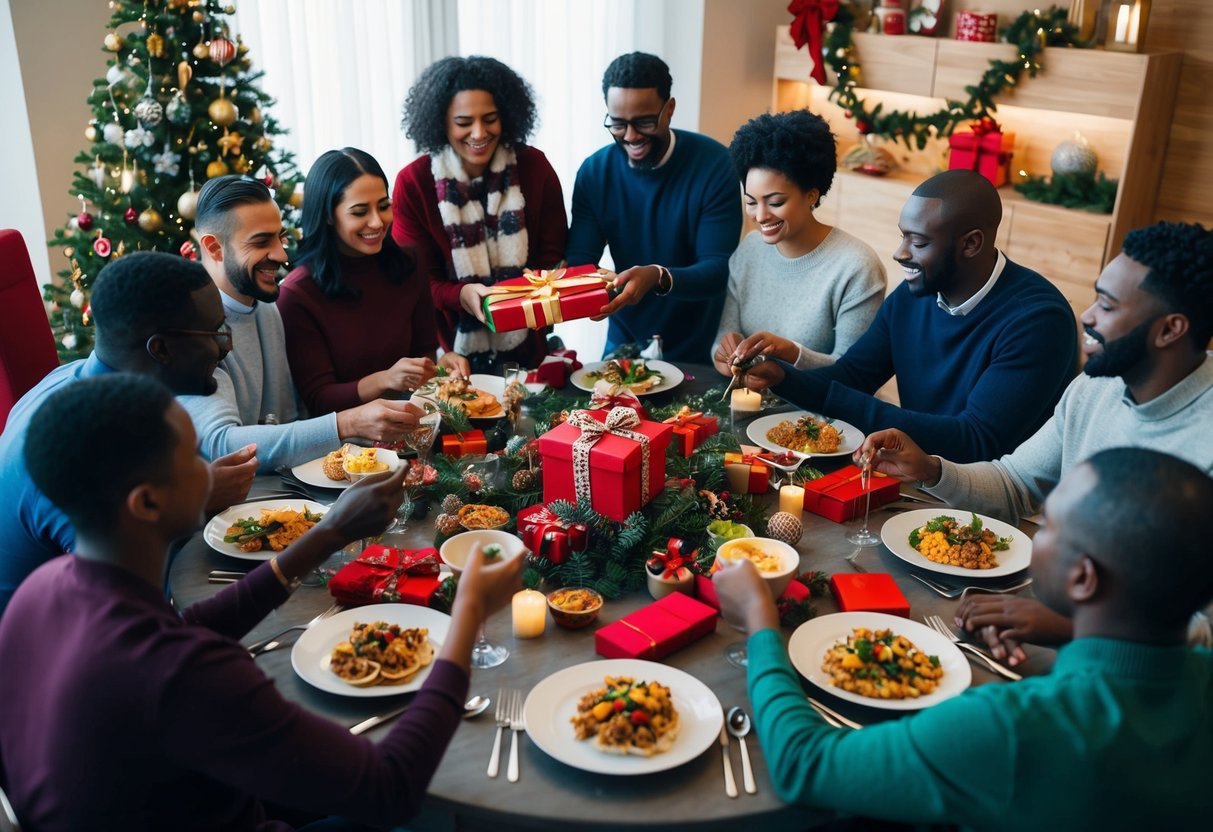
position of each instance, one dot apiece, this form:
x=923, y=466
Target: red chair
x=27, y=346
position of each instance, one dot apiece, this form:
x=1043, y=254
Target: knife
x=991, y=663
x=730, y=785
x=368, y=724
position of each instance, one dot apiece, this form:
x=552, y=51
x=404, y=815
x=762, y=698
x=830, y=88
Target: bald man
x=981, y=347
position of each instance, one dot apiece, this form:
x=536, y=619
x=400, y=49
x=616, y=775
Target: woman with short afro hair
x=810, y=290
x=481, y=205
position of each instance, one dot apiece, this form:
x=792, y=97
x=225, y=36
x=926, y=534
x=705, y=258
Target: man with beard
x=240, y=235
x=981, y=347
x=154, y=314
x=1148, y=382
x=666, y=202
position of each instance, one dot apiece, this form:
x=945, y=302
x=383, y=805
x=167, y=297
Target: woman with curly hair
x=786, y=165
x=481, y=205
x=352, y=277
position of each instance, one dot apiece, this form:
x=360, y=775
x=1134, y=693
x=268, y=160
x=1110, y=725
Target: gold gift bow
x=618, y=420
x=543, y=290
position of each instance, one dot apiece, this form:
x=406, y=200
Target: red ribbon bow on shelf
x=808, y=17
x=984, y=125
x=674, y=561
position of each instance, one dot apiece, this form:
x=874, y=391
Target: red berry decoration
x=85, y=220
x=102, y=247
x=863, y=127
x=269, y=181
x=849, y=113
x=131, y=216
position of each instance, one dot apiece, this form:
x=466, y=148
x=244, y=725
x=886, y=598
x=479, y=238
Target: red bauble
x=85, y=220
x=863, y=127
x=131, y=216
x=188, y=251
x=222, y=50
x=102, y=247
x=269, y=181
x=849, y=113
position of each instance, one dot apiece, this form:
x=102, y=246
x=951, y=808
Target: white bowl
x=456, y=550
x=390, y=458
x=789, y=559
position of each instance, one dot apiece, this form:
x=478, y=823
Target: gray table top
x=551, y=794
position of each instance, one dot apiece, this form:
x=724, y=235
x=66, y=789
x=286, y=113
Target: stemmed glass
x=865, y=536
x=456, y=553
x=513, y=373
x=420, y=439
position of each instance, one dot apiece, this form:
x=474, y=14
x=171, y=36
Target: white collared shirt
x=971, y=304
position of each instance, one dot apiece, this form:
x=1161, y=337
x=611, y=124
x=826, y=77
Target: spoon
x=474, y=707
x=739, y=726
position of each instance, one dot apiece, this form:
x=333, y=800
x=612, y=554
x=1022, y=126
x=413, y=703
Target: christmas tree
x=179, y=104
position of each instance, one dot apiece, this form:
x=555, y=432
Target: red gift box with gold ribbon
x=657, y=630
x=542, y=298
x=747, y=473
x=382, y=574
x=840, y=496
x=691, y=428
x=547, y=536
x=985, y=149
x=456, y=445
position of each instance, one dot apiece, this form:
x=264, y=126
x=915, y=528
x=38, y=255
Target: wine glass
x=421, y=437
x=865, y=536
x=514, y=374
x=776, y=580
x=455, y=552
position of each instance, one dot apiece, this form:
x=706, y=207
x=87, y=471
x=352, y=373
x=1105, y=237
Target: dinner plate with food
x=804, y=433
x=957, y=542
x=883, y=661
x=377, y=650
x=262, y=529
x=643, y=377
x=622, y=716
x=345, y=466
x=480, y=396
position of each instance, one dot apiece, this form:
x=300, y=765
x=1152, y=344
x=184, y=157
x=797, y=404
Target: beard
x=658, y=144
x=241, y=278
x=1120, y=355
x=932, y=282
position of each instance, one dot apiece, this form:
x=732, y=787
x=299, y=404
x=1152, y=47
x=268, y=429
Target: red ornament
x=269, y=181
x=87, y=314
x=85, y=220
x=222, y=50
x=102, y=247
x=188, y=251
x=863, y=127
x=131, y=216
x=849, y=113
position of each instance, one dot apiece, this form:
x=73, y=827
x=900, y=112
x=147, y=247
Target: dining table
x=550, y=794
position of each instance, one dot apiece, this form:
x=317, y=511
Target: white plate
x=312, y=472
x=311, y=653
x=671, y=377
x=215, y=529
x=895, y=534
x=813, y=639
x=852, y=437
x=552, y=703
x=494, y=385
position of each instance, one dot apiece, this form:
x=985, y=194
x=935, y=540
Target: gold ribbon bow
x=683, y=416
x=618, y=420
x=542, y=291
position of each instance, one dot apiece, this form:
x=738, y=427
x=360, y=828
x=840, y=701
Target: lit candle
x=1122, y=23
x=1134, y=23
x=530, y=610
x=791, y=499
x=747, y=400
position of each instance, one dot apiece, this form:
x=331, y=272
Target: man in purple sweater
x=120, y=714
x=981, y=347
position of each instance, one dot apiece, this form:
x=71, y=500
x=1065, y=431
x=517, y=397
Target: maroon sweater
x=416, y=222
x=118, y=714
x=332, y=343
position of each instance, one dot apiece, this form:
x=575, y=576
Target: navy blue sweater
x=684, y=215
x=972, y=387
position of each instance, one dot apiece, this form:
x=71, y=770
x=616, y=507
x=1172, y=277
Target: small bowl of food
x=359, y=463
x=776, y=561
x=574, y=607
x=478, y=517
x=720, y=531
x=496, y=545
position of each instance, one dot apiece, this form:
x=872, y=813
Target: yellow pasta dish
x=881, y=665
x=807, y=435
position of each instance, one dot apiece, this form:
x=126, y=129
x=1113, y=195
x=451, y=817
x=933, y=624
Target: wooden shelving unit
x=1121, y=103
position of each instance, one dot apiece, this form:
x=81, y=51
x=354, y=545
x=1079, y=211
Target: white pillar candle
x=791, y=500
x=530, y=610
x=747, y=400
x=1122, y=23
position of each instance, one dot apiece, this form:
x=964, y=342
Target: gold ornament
x=178, y=5
x=90, y=133
x=216, y=168
x=187, y=204
x=242, y=165
x=114, y=42
x=229, y=9
x=263, y=145
x=184, y=74
x=151, y=221
x=201, y=50
x=69, y=251
x=295, y=200
x=121, y=250
x=231, y=143
x=254, y=115
x=155, y=45
x=223, y=112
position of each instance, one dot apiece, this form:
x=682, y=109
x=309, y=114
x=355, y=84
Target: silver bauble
x=149, y=112
x=1073, y=156
x=178, y=111
x=113, y=133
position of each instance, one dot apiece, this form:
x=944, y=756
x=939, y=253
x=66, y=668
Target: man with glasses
x=981, y=347
x=240, y=237
x=154, y=314
x=666, y=202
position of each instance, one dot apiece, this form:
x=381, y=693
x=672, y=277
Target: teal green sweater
x=1119, y=736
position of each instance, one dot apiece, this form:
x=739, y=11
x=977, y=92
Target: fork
x=516, y=725
x=957, y=591
x=940, y=626
x=502, y=716
x=833, y=717
x=273, y=643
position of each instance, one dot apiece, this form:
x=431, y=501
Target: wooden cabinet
x=1121, y=103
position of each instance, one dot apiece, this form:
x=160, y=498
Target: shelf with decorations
x=1120, y=103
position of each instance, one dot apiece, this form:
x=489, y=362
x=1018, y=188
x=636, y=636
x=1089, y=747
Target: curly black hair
x=1180, y=259
x=142, y=293
x=638, y=71
x=426, y=105
x=797, y=144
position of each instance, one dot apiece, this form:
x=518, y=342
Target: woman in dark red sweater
x=358, y=317
x=481, y=205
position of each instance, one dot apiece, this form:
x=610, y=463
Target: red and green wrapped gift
x=674, y=563
x=985, y=149
x=547, y=536
x=691, y=428
x=747, y=473
x=382, y=574
x=455, y=445
x=541, y=298
x=657, y=630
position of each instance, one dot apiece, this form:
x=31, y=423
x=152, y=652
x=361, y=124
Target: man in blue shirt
x=668, y=205
x=155, y=314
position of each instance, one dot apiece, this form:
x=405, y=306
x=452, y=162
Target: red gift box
x=548, y=536
x=555, y=369
x=869, y=592
x=840, y=496
x=456, y=445
x=705, y=590
x=657, y=630
x=540, y=299
x=691, y=428
x=382, y=574
x=607, y=395
x=988, y=153
x=598, y=455
x=747, y=473
x=976, y=26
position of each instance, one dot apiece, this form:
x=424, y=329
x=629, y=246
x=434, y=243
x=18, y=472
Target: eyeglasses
x=645, y=125
x=223, y=333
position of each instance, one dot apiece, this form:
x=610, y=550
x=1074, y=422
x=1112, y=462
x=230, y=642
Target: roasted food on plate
x=627, y=717
x=382, y=654
x=944, y=540
x=275, y=529
x=807, y=434
x=881, y=665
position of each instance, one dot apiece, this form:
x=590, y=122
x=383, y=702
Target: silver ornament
x=69, y=341
x=149, y=112
x=1074, y=156
x=178, y=111
x=77, y=298
x=117, y=75
x=113, y=133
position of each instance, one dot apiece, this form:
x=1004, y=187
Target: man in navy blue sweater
x=667, y=203
x=981, y=347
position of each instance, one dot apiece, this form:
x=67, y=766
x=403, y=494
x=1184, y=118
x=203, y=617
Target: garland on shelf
x=1031, y=32
x=1084, y=191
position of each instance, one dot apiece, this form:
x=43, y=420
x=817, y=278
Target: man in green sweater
x=1118, y=736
